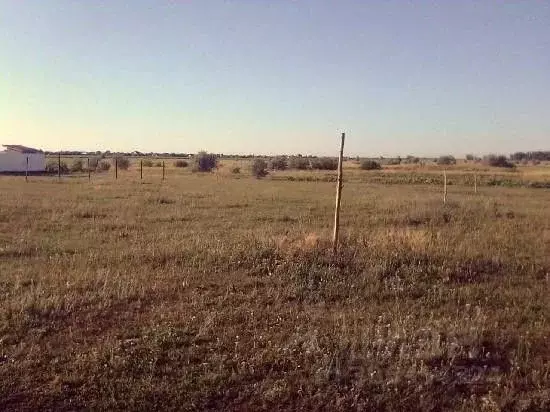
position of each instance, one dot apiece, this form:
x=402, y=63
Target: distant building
x=14, y=159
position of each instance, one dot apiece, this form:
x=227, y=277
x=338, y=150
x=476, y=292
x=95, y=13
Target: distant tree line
x=108, y=153
x=540, y=156
x=303, y=162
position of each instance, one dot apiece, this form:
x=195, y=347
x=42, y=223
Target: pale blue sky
x=400, y=77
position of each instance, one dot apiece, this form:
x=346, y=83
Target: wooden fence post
x=163, y=171
x=89, y=171
x=27, y=171
x=444, y=186
x=475, y=182
x=141, y=169
x=59, y=166
x=116, y=168
x=338, y=197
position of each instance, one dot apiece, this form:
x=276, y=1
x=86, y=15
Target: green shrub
x=497, y=161
x=370, y=165
x=147, y=163
x=259, y=168
x=77, y=166
x=279, y=163
x=103, y=166
x=324, y=163
x=539, y=185
x=181, y=163
x=53, y=166
x=446, y=160
x=94, y=161
x=158, y=164
x=300, y=163
x=122, y=162
x=412, y=160
x=396, y=161
x=204, y=162
x=236, y=170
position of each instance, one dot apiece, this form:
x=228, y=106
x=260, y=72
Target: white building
x=14, y=159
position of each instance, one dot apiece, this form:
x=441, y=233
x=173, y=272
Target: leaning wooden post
x=89, y=171
x=116, y=168
x=444, y=186
x=338, y=197
x=59, y=166
x=163, y=171
x=27, y=171
x=475, y=182
x=141, y=169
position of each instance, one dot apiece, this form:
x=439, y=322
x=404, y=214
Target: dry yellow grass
x=219, y=292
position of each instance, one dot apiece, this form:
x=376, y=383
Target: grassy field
x=219, y=292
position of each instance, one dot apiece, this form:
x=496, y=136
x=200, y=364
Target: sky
x=276, y=76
